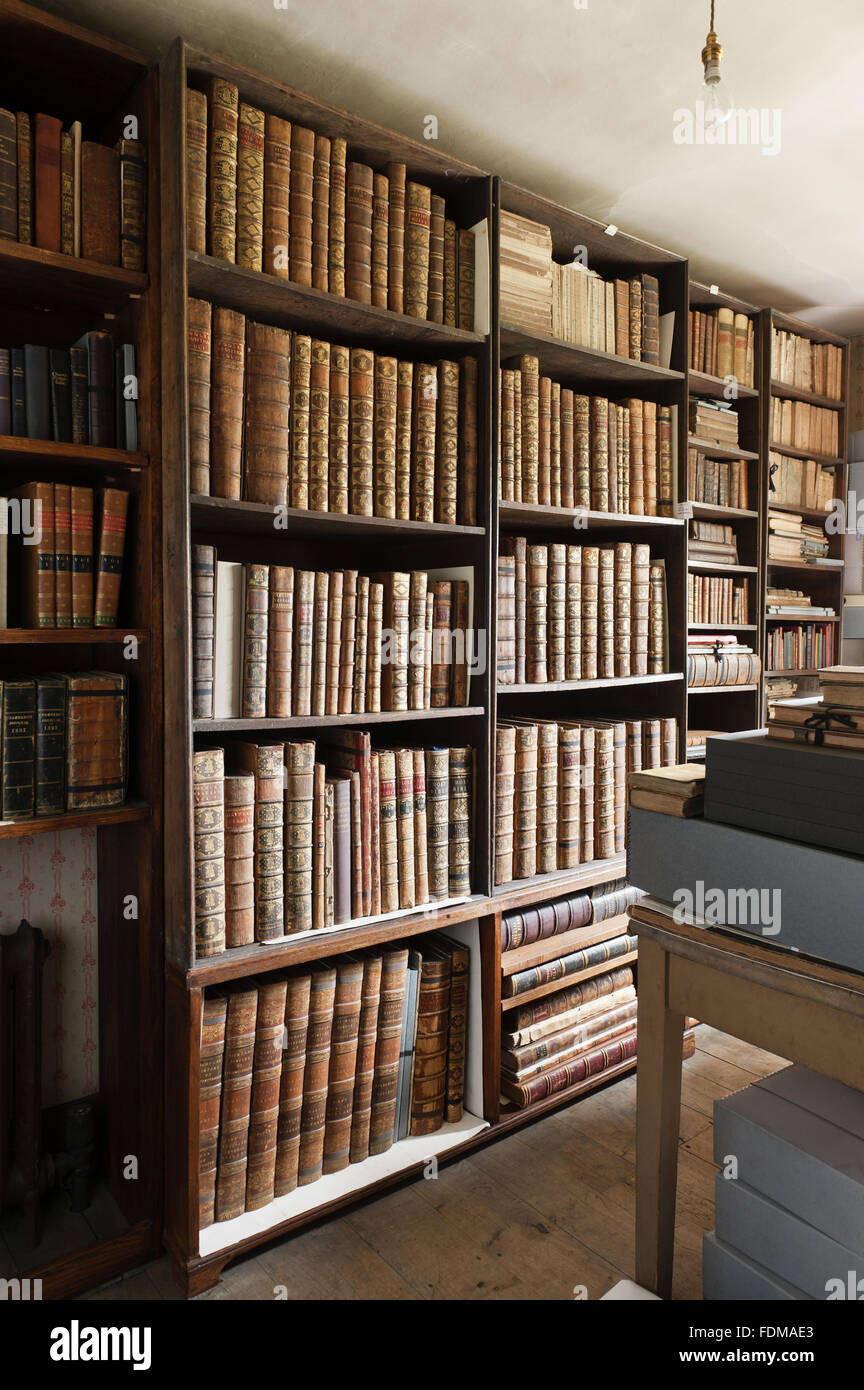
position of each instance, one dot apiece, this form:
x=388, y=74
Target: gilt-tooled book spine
x=505, y=795
x=373, y=648
x=429, y=1083
x=250, y=187
x=199, y=350
x=67, y=194
x=505, y=435
x=215, y=1012
x=530, y=433
x=239, y=797
x=319, y=426
x=636, y=318
x=523, y=1060
x=568, y=457
x=336, y=228
x=275, y=258
x=291, y=1082
x=304, y=604
x=547, y=797
x=78, y=368
x=133, y=204
x=359, y=200
x=517, y=546
x=208, y=797
x=320, y=212
x=341, y=849
x=424, y=438
x=301, y=382
x=24, y=138
x=569, y=964
x=255, y=641
x=388, y=849
x=46, y=182
x=222, y=109
x=196, y=170
x=109, y=556
x=544, y=441
x=506, y=654
x=556, y=616
x=665, y=481
x=203, y=629
x=460, y=960
x=637, y=476
x=447, y=444
x=227, y=370
x=50, y=746
x=533, y=924
x=343, y=1060
x=623, y=619
x=405, y=826
x=649, y=457
x=100, y=203
x=573, y=996
x=280, y=631
x=573, y=622
x=62, y=555
x=555, y=446
x=606, y=613
x=268, y=410
x=418, y=205
x=380, y=238
x=569, y=796
x=385, y=436
x=459, y=873
x=436, y=260
x=315, y=1077
x=385, y=1081
x=590, y=611
x=236, y=1102
x=404, y=425
x=525, y=826
x=451, y=274
x=588, y=750
x=441, y=620
x=582, y=451
x=18, y=743
x=365, y=1060
x=600, y=457
x=264, y=1101
x=334, y=641
x=300, y=765
x=650, y=320
x=266, y=762
x=592, y=1063
x=639, y=609
x=466, y=274
x=361, y=640
x=320, y=628
x=396, y=178
x=536, y=615
x=518, y=494
x=438, y=821
x=338, y=454
x=657, y=619
x=61, y=396
x=362, y=431
x=18, y=405
x=37, y=561
x=347, y=642
x=81, y=506
x=421, y=853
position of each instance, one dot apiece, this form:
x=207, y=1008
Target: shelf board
x=799, y=672
x=828, y=566
x=69, y=636
x=719, y=689
x=722, y=627
x=712, y=509
x=31, y=276
x=796, y=393
x=704, y=384
x=224, y=514
x=15, y=450
x=74, y=820
x=334, y=721
x=814, y=513
x=603, y=684
x=256, y=293
x=714, y=567
x=719, y=451
x=571, y=363
x=553, y=986
x=539, y=517
x=525, y=891
x=829, y=460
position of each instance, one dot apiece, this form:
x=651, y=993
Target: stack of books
x=721, y=344
x=526, y=274
x=720, y=660
x=790, y=537
x=714, y=421
x=673, y=791
x=714, y=541
x=834, y=718
x=793, y=603
x=809, y=366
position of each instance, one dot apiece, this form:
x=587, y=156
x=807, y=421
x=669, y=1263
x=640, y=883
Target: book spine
x=457, y=1032
x=319, y=426
x=396, y=176
x=451, y=274
x=380, y=239
x=226, y=381
x=25, y=178
x=318, y=1040
x=385, y=435
x=418, y=211
x=236, y=1100
x=424, y=432
x=62, y=555
x=239, y=800
x=46, y=184
x=199, y=348
x=505, y=794
x=50, y=747
x=339, y=429
x=438, y=821
x=459, y=877
x=255, y=641
x=291, y=1083
x=301, y=204
x=365, y=1064
x=67, y=195
x=82, y=556
x=300, y=762
x=320, y=628
x=465, y=291
x=223, y=107
x=196, y=171
x=336, y=237
x=203, y=629
x=268, y=411
x=269, y=819
x=362, y=431
x=276, y=215
x=429, y=1079
x=109, y=560
x=343, y=1061
x=301, y=376
x=436, y=259
x=264, y=1100
x=358, y=232
x=211, y=1055
x=447, y=444
x=385, y=1080
x=208, y=799
x=321, y=214
x=404, y=427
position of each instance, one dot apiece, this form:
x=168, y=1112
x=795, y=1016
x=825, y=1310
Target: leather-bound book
x=649, y=457
x=536, y=615
x=236, y=1101
x=424, y=439
x=100, y=388
x=338, y=453
x=257, y=580
x=669, y=740
x=600, y=463
x=389, y=854
x=196, y=170
x=567, y=447
x=239, y=797
x=396, y=179
x=280, y=631
x=622, y=319
x=506, y=625
x=518, y=494
x=299, y=777
x=451, y=274
x=61, y=396
x=208, y=778
x=334, y=642
x=665, y=479
x=547, y=797
x=17, y=749
x=350, y=751
x=505, y=789
x=385, y=436
x=126, y=426
x=436, y=259
x=555, y=445
x=100, y=202
x=264, y=1100
x=590, y=611
x=544, y=441
x=347, y=643
x=459, y=626
x=651, y=320
x=606, y=613
x=18, y=407
x=404, y=428
x=447, y=444
x=573, y=615
x=268, y=408
x=291, y=1082
x=222, y=110
x=587, y=805
x=321, y=213
x=203, y=629
x=302, y=198
x=37, y=561
x=277, y=197
x=211, y=1054
x=623, y=618
x=373, y=648
x=78, y=391
x=46, y=184
x=221, y=394
x=556, y=616
x=319, y=426
x=359, y=199
x=81, y=507
x=301, y=382
x=506, y=459
x=49, y=782
x=316, y=1075
x=365, y=1059
x=525, y=805
x=569, y=803
x=405, y=826
x=530, y=385
x=637, y=476
x=37, y=391
x=62, y=555
x=457, y=1028
x=517, y=546
x=265, y=762
x=374, y=833
x=380, y=238
x=418, y=205
x=341, y=786
x=385, y=1081
x=657, y=618
x=109, y=556
x=361, y=640
x=651, y=743
x=582, y=451
x=133, y=204
x=336, y=230
x=461, y=760
x=593, y=1062
x=362, y=431
x=441, y=651
x=438, y=821
x=636, y=318
x=320, y=629
x=250, y=186
x=304, y=605
x=96, y=746
x=421, y=853
x=465, y=291
x=639, y=609
x=429, y=1082
x=343, y=1060
x=24, y=136
x=67, y=194
x=5, y=392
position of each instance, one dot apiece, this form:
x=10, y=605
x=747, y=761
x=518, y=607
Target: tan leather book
x=255, y=641
x=569, y=795
x=460, y=961
x=556, y=635
x=544, y=441
x=265, y=762
x=451, y=274
x=649, y=457
x=348, y=642
x=421, y=856
x=587, y=804
x=599, y=454
x=239, y=796
x=361, y=431
x=250, y=187
x=227, y=373
x=236, y=1100
x=606, y=613
x=417, y=639
x=568, y=460
x=334, y=641
x=582, y=451
x=222, y=108
x=424, y=440
x=418, y=205
x=338, y=453
x=373, y=648
x=547, y=797
x=321, y=214
x=46, y=183
x=319, y=877
x=302, y=198
x=465, y=287
x=81, y=499
x=536, y=616
x=291, y=1082
x=380, y=238
x=212, y=1051
x=320, y=632
x=573, y=616
x=109, y=556
x=268, y=413
x=405, y=827
x=639, y=609
x=319, y=426
x=385, y=1080
x=304, y=608
x=590, y=611
x=301, y=380
x=264, y=1101
x=299, y=769
x=336, y=242
x=442, y=592
x=525, y=803
x=344, y=1043
x=396, y=179
x=530, y=434
x=460, y=793
x=329, y=866
x=385, y=435
x=506, y=626
x=96, y=743
x=396, y=620
x=277, y=197
x=404, y=411
x=196, y=170
x=360, y=672
x=199, y=321
x=358, y=232
x=315, y=1078
x=38, y=603
x=361, y=1114
x=657, y=635
x=447, y=444
x=375, y=833
x=505, y=790
x=429, y=1081
x=623, y=617
x=436, y=259
x=438, y=821
x=24, y=142
x=208, y=831
x=63, y=555
x=505, y=435
x=555, y=446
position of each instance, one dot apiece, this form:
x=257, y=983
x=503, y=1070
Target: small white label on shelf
x=611, y=230
x=684, y=511
x=713, y=289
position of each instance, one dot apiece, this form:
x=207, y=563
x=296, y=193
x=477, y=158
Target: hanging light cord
x=712, y=16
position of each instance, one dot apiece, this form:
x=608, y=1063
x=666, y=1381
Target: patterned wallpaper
x=51, y=880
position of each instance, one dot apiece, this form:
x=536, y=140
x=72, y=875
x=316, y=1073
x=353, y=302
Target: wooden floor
x=542, y=1212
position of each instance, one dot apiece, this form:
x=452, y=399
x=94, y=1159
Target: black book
x=50, y=781
x=19, y=405
x=17, y=728
x=5, y=392
x=78, y=391
x=100, y=388
x=37, y=391
x=61, y=396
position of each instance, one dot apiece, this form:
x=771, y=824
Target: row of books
x=528, y=926
x=800, y=482
x=715, y=598
x=793, y=603
x=833, y=719
x=288, y=420
x=790, y=537
x=63, y=743
x=799, y=646
x=715, y=422
x=300, y=836
x=63, y=193
x=270, y=195
x=801, y=426
x=809, y=366
x=618, y=316
x=721, y=344
x=86, y=394
x=561, y=789
x=562, y=449
x=569, y=612
x=275, y=642
x=720, y=660
x=305, y=1072
x=51, y=575
x=717, y=482
x=712, y=541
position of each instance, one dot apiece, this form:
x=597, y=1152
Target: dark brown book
x=109, y=556
x=418, y=211
x=385, y=436
x=319, y=426
x=199, y=357
x=447, y=444
x=301, y=378
x=385, y=1081
x=321, y=213
x=214, y=1016
x=361, y=431
x=451, y=274
x=291, y=1082
x=396, y=237
x=81, y=499
x=236, y=1100
x=133, y=204
x=316, y=1075
x=429, y=1080
x=436, y=259
x=62, y=555
x=358, y=232
x=239, y=793
x=264, y=1100
x=404, y=427
x=380, y=239
x=364, y=1075
x=465, y=287
x=38, y=605
x=196, y=170
x=67, y=194
x=222, y=110
x=208, y=801
x=302, y=199
x=424, y=424
x=46, y=183
x=25, y=178
x=268, y=407
x=226, y=381
x=460, y=962
x=277, y=197
x=304, y=610
x=459, y=873
x=100, y=203
x=343, y=1060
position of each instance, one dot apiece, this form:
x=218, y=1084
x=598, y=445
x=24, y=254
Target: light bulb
x=717, y=98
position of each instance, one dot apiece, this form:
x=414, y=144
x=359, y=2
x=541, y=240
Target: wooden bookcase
x=59, y=68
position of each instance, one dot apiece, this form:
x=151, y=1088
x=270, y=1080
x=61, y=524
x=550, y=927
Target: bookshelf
x=63, y=70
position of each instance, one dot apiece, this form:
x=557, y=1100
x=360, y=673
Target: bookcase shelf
x=720, y=689
x=723, y=627
x=607, y=683
x=324, y=721
x=534, y=517
x=814, y=567
x=28, y=274
x=219, y=514
x=571, y=364
x=712, y=510
x=70, y=637
x=587, y=973
x=720, y=451
x=71, y=820
x=703, y=384
x=715, y=567
x=828, y=460
x=796, y=393
x=71, y=456
x=793, y=619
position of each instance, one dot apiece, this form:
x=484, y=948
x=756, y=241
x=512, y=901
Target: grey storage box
x=729, y=1276
x=838, y=1104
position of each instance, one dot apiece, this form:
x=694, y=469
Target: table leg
x=658, y=1111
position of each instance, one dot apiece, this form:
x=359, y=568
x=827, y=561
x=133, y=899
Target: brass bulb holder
x=713, y=50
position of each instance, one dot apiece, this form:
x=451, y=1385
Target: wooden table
x=801, y=1009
